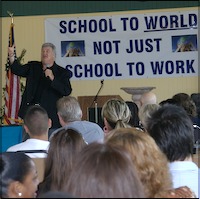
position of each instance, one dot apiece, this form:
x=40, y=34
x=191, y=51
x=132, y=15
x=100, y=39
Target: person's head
x=36, y=121
x=134, y=119
x=68, y=109
x=145, y=112
x=184, y=100
x=168, y=101
x=148, y=98
x=48, y=54
x=64, y=145
x=196, y=99
x=115, y=114
x=149, y=160
x=172, y=129
x=104, y=171
x=18, y=176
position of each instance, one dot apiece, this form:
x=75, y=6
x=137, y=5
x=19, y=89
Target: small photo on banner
x=73, y=48
x=184, y=43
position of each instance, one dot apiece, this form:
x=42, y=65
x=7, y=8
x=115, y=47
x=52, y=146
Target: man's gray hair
x=69, y=109
x=51, y=46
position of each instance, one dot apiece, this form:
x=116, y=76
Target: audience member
x=148, y=98
x=145, y=112
x=64, y=146
x=196, y=99
x=185, y=101
x=134, y=119
x=46, y=82
x=70, y=114
x=168, y=101
x=115, y=114
x=18, y=176
x=36, y=124
x=150, y=162
x=172, y=129
x=104, y=171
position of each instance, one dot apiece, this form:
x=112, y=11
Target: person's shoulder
x=93, y=125
x=15, y=147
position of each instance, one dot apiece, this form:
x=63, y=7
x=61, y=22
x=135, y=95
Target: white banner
x=123, y=46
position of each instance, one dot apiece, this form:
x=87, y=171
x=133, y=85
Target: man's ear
x=62, y=123
x=26, y=128
x=49, y=123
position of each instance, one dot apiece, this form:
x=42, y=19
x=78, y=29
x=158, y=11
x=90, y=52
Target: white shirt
x=31, y=144
x=185, y=173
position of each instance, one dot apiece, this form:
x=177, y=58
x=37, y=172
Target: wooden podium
x=86, y=103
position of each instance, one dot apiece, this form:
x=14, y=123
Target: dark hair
x=36, y=120
x=103, y=170
x=134, y=119
x=14, y=166
x=184, y=100
x=172, y=129
x=168, y=101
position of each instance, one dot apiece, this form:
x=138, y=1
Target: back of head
x=185, y=101
x=14, y=166
x=134, y=119
x=104, y=171
x=116, y=112
x=172, y=129
x=148, y=98
x=150, y=162
x=69, y=109
x=145, y=112
x=36, y=119
x=168, y=101
x=64, y=145
x=196, y=99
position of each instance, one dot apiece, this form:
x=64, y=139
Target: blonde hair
x=116, y=112
x=145, y=113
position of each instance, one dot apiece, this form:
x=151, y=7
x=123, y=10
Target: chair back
x=40, y=166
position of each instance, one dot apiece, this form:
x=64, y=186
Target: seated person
x=148, y=98
x=36, y=124
x=70, y=114
x=18, y=176
x=115, y=114
x=64, y=146
x=172, y=130
x=104, y=171
x=145, y=113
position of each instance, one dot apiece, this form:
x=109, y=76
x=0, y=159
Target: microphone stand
x=95, y=102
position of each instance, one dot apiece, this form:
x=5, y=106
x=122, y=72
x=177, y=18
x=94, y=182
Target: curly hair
x=149, y=160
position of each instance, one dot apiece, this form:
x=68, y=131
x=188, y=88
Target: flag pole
x=12, y=90
x=11, y=15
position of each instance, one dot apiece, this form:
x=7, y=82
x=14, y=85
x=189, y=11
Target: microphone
x=48, y=67
x=95, y=98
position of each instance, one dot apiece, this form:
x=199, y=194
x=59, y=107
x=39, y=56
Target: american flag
x=12, y=90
